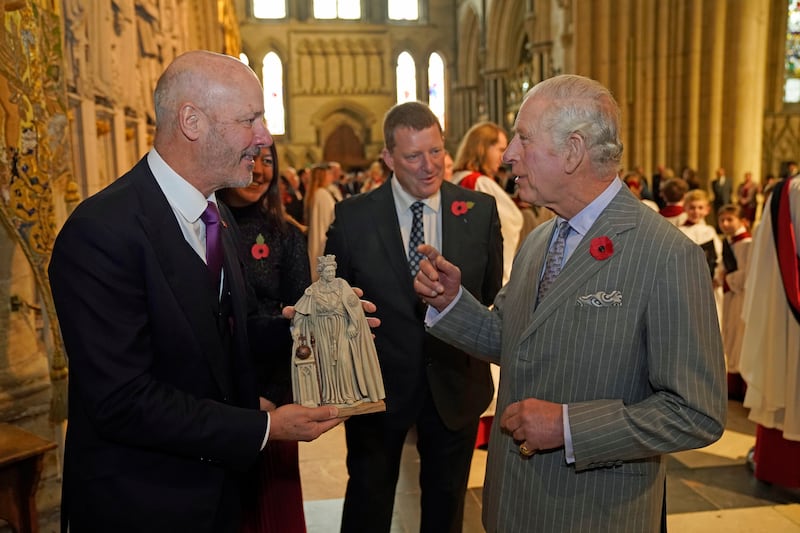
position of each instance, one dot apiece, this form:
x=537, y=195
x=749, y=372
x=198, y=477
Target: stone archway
x=344, y=130
x=344, y=146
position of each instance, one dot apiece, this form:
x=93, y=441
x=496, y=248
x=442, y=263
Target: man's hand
x=536, y=424
x=438, y=280
x=366, y=305
x=295, y=422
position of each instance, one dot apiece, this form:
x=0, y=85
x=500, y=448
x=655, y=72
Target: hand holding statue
x=295, y=422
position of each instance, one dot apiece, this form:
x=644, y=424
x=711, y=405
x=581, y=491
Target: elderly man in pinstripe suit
x=606, y=334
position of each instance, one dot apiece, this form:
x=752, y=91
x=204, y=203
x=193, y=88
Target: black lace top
x=277, y=269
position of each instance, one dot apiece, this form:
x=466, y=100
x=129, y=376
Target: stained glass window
x=269, y=9
x=791, y=89
x=274, y=111
x=406, y=78
x=337, y=9
x=403, y=10
x=436, y=86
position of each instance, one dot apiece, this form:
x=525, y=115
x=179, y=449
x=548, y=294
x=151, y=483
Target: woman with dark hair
x=274, y=254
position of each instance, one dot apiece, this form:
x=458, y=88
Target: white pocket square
x=601, y=299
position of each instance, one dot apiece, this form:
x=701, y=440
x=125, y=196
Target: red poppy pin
x=460, y=207
x=601, y=248
x=259, y=250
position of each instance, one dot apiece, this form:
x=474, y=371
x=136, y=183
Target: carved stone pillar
x=715, y=12
x=495, y=97
x=746, y=86
x=693, y=90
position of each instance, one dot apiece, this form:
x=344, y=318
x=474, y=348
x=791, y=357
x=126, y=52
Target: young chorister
x=735, y=261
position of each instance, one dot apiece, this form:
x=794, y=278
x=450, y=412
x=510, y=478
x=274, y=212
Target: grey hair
x=581, y=105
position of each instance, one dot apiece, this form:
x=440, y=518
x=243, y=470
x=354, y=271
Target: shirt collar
x=181, y=195
x=403, y=200
x=585, y=219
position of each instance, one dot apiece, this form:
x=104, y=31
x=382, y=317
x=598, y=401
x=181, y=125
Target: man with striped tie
x=429, y=384
x=606, y=334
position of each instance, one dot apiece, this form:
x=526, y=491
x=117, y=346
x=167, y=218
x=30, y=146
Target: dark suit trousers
x=374, y=449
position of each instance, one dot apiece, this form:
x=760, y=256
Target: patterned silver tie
x=554, y=259
x=416, y=238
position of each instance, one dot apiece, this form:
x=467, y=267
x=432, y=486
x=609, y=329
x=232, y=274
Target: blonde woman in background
x=318, y=213
x=375, y=177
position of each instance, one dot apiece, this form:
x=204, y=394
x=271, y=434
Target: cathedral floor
x=708, y=490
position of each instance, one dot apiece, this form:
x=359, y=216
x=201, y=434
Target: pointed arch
x=437, y=89
x=406, y=75
x=505, y=29
x=274, y=105
x=468, y=46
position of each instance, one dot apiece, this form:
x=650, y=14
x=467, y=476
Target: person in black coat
x=164, y=413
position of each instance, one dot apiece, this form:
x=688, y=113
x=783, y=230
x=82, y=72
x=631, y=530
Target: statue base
x=361, y=409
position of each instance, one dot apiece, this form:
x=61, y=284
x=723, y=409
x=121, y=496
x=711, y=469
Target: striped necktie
x=416, y=238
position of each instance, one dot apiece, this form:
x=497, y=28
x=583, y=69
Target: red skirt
x=777, y=459
x=277, y=502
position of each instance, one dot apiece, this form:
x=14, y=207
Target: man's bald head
x=210, y=120
x=199, y=76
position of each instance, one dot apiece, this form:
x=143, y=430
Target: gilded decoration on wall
x=35, y=155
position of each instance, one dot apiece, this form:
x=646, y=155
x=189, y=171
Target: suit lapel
x=388, y=229
x=452, y=235
x=618, y=217
x=458, y=233
x=185, y=272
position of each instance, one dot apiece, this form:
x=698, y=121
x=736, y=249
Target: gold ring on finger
x=525, y=451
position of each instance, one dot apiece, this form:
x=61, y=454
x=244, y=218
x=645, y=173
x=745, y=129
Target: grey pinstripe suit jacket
x=640, y=379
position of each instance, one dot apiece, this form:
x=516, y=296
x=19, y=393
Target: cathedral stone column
x=693, y=81
x=714, y=80
x=746, y=86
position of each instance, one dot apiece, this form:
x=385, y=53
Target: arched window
x=274, y=111
x=269, y=9
x=403, y=10
x=406, y=78
x=791, y=88
x=436, y=90
x=337, y=9
x=244, y=59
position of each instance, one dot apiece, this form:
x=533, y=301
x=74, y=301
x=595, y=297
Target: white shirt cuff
x=432, y=316
x=266, y=435
x=569, y=453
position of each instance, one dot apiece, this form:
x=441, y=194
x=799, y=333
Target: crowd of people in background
x=746, y=232
x=310, y=193
x=664, y=191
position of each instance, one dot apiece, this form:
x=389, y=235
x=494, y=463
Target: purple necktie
x=211, y=219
